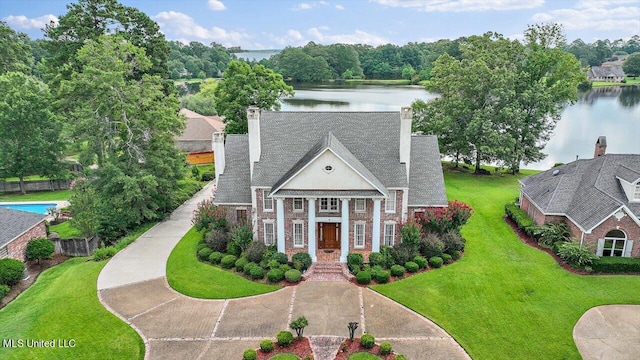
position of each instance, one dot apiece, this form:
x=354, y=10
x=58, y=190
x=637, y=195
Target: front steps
x=327, y=271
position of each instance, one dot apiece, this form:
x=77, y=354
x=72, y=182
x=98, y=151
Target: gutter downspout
x=581, y=239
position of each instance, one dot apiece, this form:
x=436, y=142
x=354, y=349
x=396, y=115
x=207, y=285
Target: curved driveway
x=609, y=332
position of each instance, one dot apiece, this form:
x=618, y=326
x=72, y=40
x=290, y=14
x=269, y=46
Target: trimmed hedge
x=520, y=217
x=257, y=273
x=614, y=264
x=367, y=341
x=382, y=277
x=248, y=267
x=275, y=275
x=216, y=257
x=228, y=261
x=10, y=271
x=240, y=263
x=446, y=258
x=266, y=345
x=203, y=254
x=421, y=261
x=385, y=348
x=354, y=261
x=250, y=354
x=363, y=277
x=293, y=275
x=302, y=259
x=411, y=266
x=455, y=255
x=375, y=258
x=285, y=338
x=435, y=262
x=280, y=257
x=397, y=270
x=4, y=290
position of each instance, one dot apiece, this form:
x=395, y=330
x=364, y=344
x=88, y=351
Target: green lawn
x=287, y=356
x=364, y=356
x=191, y=277
x=58, y=195
x=62, y=305
x=65, y=230
x=504, y=299
x=630, y=81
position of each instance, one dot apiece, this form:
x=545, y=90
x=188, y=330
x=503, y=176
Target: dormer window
x=636, y=193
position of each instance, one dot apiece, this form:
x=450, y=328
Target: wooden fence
x=76, y=247
x=35, y=185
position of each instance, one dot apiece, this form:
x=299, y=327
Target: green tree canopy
x=15, y=51
x=631, y=66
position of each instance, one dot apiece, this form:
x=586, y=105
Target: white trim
x=264, y=233
x=233, y=204
x=301, y=203
x=622, y=207
x=387, y=202
x=328, y=219
x=364, y=205
x=356, y=224
x=329, y=205
x=4, y=252
x=264, y=199
x=293, y=232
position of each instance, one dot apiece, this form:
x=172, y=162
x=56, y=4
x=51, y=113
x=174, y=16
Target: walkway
x=609, y=332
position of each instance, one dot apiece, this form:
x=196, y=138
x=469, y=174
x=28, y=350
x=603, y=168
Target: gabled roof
x=626, y=174
x=15, y=222
x=331, y=143
x=199, y=127
x=426, y=182
x=605, y=71
x=587, y=191
x=234, y=186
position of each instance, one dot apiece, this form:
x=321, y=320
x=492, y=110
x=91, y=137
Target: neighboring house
x=599, y=199
x=198, y=131
x=327, y=183
x=606, y=73
x=16, y=229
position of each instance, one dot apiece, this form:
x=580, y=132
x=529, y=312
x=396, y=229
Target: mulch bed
x=349, y=348
x=301, y=348
x=34, y=271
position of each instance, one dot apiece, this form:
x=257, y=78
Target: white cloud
x=358, y=37
x=23, y=22
x=587, y=4
x=339, y=7
x=462, y=5
x=216, y=5
x=595, y=17
x=179, y=26
x=309, y=6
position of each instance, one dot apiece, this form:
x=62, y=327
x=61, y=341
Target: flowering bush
x=209, y=216
x=442, y=220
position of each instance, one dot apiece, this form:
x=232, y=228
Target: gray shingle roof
x=585, y=190
x=605, y=71
x=15, y=222
x=234, y=186
x=426, y=182
x=199, y=127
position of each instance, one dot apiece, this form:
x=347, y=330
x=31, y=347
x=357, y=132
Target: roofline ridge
x=597, y=187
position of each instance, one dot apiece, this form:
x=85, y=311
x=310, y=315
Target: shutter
x=600, y=247
x=627, y=249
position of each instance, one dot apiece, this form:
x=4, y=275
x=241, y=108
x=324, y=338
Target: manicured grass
x=505, y=299
x=62, y=305
x=380, y=81
x=630, y=81
x=364, y=356
x=285, y=357
x=58, y=195
x=191, y=277
x=65, y=230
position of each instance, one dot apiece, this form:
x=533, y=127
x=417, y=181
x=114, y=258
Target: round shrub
x=203, y=254
x=233, y=249
x=266, y=345
x=455, y=255
x=273, y=264
x=397, y=270
x=4, y=290
x=248, y=267
x=401, y=357
x=285, y=268
x=385, y=348
x=216, y=257
x=431, y=245
x=446, y=258
x=275, y=275
x=257, y=272
x=293, y=275
x=250, y=354
x=367, y=341
x=201, y=246
x=354, y=261
x=256, y=251
x=421, y=261
x=302, y=258
x=10, y=271
x=411, y=267
x=375, y=258
x=280, y=257
x=435, y=262
x=382, y=277
x=240, y=263
x=228, y=261
x=285, y=338
x=363, y=277
x=402, y=253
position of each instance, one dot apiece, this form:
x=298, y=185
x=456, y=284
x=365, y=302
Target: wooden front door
x=329, y=236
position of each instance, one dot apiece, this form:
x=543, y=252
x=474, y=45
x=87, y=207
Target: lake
x=611, y=111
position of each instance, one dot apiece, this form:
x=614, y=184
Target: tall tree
x=631, y=66
x=15, y=52
x=243, y=86
x=29, y=131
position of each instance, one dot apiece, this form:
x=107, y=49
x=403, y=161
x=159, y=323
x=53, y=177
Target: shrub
x=233, y=249
x=446, y=258
x=375, y=258
x=363, y=277
x=401, y=357
x=382, y=277
x=431, y=245
x=284, y=338
x=250, y=354
x=443, y=219
x=208, y=176
x=217, y=239
x=275, y=275
x=240, y=263
x=452, y=241
x=435, y=262
x=421, y=261
x=228, y=261
x=248, y=267
x=203, y=254
x=10, y=271
x=411, y=266
x=520, y=217
x=285, y=267
x=40, y=249
x=266, y=345
x=201, y=246
x=385, y=348
x=280, y=257
x=242, y=236
x=614, y=264
x=257, y=272
x=273, y=264
x=209, y=216
x=402, y=253
x=256, y=251
x=215, y=257
x=298, y=326
x=303, y=258
x=387, y=257
x=4, y=290
x=367, y=341
x=104, y=253
x=549, y=234
x=354, y=261
x=410, y=234
x=293, y=275
x=455, y=255
x=575, y=255
x=397, y=270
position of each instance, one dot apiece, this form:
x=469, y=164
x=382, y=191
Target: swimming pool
x=38, y=208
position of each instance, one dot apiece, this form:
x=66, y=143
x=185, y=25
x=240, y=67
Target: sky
x=274, y=24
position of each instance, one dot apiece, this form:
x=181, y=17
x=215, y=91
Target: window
x=269, y=233
x=3, y=252
x=389, y=234
x=614, y=244
x=360, y=205
x=298, y=234
x=298, y=204
x=267, y=202
x=636, y=194
x=358, y=235
x=329, y=204
x=390, y=203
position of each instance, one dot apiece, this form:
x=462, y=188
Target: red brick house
x=327, y=183
x=16, y=229
x=599, y=199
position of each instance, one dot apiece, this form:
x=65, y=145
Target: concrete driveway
x=609, y=332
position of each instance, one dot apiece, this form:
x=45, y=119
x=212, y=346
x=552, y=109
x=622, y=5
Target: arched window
x=614, y=243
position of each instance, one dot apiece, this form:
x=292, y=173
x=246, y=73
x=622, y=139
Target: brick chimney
x=601, y=147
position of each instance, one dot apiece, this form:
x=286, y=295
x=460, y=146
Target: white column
x=375, y=232
x=311, y=229
x=280, y=223
x=344, y=235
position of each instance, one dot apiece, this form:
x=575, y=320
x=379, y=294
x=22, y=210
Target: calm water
x=613, y=112
x=32, y=208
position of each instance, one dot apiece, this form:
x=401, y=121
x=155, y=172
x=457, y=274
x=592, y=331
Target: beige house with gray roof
x=327, y=183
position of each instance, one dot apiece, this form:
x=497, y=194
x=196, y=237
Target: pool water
x=40, y=208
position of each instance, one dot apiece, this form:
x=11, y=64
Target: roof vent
x=555, y=172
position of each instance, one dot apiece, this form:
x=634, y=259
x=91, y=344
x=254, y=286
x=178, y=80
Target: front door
x=329, y=236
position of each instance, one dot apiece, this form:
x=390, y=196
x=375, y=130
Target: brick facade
x=17, y=248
